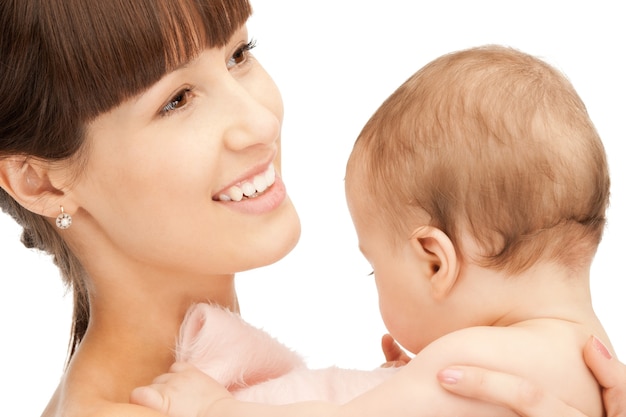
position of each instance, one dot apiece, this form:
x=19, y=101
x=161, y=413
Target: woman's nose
x=254, y=118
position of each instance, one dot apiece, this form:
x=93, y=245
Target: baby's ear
x=28, y=182
x=436, y=251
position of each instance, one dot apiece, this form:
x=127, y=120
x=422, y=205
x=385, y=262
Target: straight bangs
x=64, y=62
x=104, y=52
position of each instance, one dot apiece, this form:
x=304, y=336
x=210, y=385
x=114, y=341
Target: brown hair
x=495, y=143
x=64, y=62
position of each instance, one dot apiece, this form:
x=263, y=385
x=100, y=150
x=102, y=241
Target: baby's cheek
x=389, y=316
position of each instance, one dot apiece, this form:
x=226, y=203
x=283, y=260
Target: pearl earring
x=64, y=220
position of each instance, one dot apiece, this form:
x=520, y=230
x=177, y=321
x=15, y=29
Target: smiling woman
x=145, y=110
x=92, y=67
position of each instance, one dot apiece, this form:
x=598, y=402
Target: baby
x=478, y=192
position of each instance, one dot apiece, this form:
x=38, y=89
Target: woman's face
x=181, y=177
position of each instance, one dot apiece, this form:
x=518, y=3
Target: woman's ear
x=433, y=247
x=28, y=182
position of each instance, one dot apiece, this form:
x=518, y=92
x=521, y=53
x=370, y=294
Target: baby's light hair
x=492, y=144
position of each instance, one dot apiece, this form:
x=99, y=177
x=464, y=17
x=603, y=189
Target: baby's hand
x=394, y=354
x=184, y=392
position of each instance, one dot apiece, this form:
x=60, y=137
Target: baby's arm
x=412, y=391
x=333, y=384
x=188, y=392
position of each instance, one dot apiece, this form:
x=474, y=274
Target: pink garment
x=256, y=367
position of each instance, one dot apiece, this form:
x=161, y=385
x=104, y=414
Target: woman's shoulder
x=68, y=402
x=98, y=409
x=122, y=410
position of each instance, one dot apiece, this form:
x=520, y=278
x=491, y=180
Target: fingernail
x=599, y=346
x=450, y=376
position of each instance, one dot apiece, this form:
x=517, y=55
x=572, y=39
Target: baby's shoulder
x=545, y=351
x=543, y=346
x=531, y=335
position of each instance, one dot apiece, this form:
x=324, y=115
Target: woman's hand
x=529, y=400
x=611, y=374
x=183, y=392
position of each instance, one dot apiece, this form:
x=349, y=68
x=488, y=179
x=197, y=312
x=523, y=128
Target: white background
x=335, y=61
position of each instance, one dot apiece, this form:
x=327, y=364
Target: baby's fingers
x=394, y=354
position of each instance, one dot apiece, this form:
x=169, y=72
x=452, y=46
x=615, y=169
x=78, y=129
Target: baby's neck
x=545, y=291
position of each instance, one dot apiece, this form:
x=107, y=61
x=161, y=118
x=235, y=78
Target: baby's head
x=494, y=148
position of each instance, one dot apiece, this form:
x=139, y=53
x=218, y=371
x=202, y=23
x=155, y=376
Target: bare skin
x=530, y=400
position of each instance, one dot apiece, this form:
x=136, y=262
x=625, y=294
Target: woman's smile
x=258, y=194
x=251, y=187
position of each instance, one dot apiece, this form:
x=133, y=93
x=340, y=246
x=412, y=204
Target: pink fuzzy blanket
x=256, y=367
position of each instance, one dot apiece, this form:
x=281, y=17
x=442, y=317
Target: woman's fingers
x=529, y=400
x=510, y=391
x=183, y=392
x=610, y=373
x=151, y=397
x=602, y=364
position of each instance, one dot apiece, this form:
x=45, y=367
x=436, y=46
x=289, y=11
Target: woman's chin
x=283, y=242
x=274, y=243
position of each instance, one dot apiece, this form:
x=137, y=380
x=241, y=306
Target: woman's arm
x=529, y=400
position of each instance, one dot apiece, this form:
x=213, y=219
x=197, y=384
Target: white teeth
x=248, y=189
x=270, y=176
x=258, y=184
x=232, y=194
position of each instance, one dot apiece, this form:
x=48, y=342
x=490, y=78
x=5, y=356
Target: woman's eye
x=176, y=102
x=241, y=54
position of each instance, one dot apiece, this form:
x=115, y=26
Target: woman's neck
x=133, y=329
